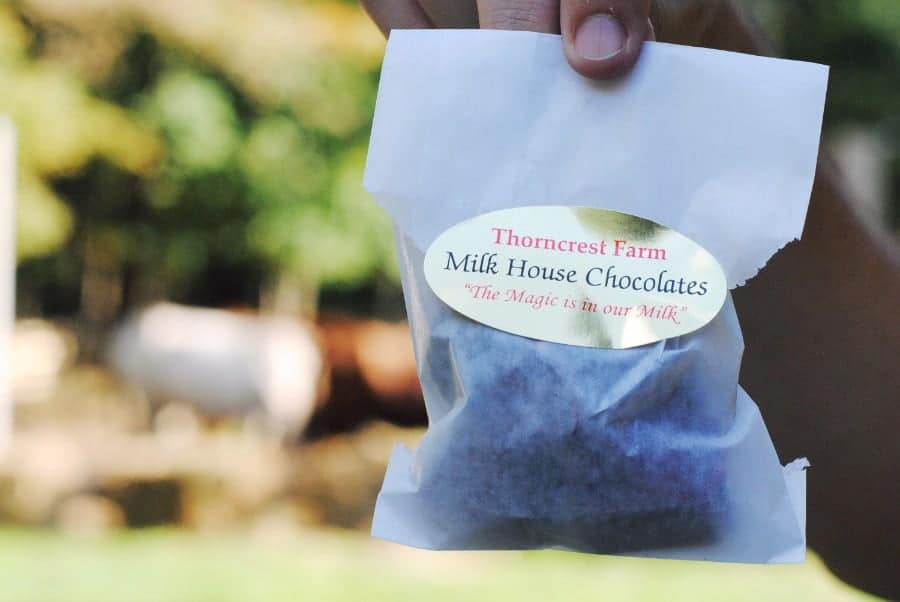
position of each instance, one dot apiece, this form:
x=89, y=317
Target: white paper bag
x=649, y=451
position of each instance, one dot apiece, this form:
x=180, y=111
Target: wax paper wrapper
x=649, y=451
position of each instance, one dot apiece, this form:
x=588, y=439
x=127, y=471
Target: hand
x=802, y=382
x=602, y=38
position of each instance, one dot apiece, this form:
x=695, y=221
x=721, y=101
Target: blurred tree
x=61, y=127
x=257, y=116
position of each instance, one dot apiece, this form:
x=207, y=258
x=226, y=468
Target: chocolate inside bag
x=536, y=444
x=558, y=445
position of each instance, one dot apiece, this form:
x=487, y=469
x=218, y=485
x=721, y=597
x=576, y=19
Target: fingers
x=684, y=21
x=723, y=24
x=530, y=15
x=396, y=14
x=451, y=13
x=602, y=38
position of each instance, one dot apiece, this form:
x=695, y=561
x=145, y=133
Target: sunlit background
x=176, y=155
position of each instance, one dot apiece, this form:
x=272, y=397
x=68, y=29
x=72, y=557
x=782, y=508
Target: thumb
x=602, y=38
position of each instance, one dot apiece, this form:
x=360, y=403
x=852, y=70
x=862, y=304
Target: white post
x=7, y=274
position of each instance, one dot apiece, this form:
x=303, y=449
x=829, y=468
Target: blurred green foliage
x=61, y=125
x=209, y=150
x=196, y=150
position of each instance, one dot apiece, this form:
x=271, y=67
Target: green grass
x=330, y=566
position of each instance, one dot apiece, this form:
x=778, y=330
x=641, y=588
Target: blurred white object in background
x=41, y=352
x=223, y=363
x=7, y=272
x=863, y=158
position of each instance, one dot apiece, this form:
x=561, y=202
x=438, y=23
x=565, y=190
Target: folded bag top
x=720, y=146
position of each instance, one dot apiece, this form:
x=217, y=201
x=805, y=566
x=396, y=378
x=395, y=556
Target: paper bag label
x=576, y=275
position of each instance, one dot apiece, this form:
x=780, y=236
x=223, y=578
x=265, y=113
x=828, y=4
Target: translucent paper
x=650, y=451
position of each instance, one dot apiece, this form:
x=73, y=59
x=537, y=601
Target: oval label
x=576, y=275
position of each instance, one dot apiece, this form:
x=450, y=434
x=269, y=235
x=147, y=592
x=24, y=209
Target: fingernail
x=599, y=37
